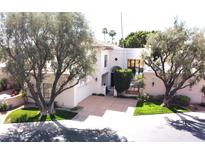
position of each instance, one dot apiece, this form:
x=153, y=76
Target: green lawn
x=147, y=108
x=31, y=115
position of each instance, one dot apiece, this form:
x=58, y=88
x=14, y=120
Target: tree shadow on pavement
x=194, y=124
x=55, y=132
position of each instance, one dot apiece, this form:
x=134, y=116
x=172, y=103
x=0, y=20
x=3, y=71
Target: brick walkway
x=97, y=106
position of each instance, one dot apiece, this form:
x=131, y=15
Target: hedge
x=122, y=79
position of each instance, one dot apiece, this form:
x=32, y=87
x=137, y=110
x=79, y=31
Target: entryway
x=98, y=105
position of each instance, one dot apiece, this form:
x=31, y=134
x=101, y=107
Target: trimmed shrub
x=122, y=79
x=131, y=97
x=3, y=106
x=95, y=94
x=181, y=100
x=3, y=84
x=157, y=99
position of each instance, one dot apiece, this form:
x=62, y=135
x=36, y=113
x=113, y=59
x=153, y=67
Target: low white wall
x=66, y=99
x=83, y=91
x=15, y=101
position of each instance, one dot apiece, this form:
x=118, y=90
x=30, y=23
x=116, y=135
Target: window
x=134, y=63
x=47, y=90
x=105, y=60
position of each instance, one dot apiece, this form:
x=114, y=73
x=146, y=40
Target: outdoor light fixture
x=153, y=84
x=96, y=79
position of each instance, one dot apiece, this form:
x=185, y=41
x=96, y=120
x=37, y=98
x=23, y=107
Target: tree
x=122, y=79
x=104, y=31
x=35, y=45
x=135, y=40
x=112, y=33
x=177, y=57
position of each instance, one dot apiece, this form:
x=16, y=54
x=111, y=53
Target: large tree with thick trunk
x=177, y=57
x=37, y=44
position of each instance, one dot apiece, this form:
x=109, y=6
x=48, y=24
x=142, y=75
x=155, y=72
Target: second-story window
x=105, y=60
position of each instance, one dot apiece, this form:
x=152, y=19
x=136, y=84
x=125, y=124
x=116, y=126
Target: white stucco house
x=109, y=57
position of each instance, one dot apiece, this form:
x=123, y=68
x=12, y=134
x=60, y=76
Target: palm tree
x=112, y=33
x=104, y=31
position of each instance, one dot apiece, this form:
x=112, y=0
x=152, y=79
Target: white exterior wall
x=157, y=89
x=82, y=91
x=72, y=97
x=103, y=69
x=122, y=55
x=66, y=99
x=119, y=54
x=194, y=93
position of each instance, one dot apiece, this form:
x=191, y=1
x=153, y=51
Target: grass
x=148, y=108
x=32, y=115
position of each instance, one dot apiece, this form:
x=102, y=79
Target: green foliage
x=178, y=100
x=158, y=99
x=22, y=93
x=148, y=108
x=135, y=40
x=104, y=30
x=3, y=84
x=181, y=100
x=32, y=115
x=122, y=79
x=112, y=33
x=177, y=57
x=4, y=106
x=31, y=41
x=139, y=81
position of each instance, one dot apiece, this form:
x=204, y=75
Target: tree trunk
x=43, y=111
x=51, y=109
x=167, y=101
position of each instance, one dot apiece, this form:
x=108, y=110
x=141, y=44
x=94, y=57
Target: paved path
x=98, y=105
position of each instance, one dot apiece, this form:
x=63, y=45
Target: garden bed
x=148, y=108
x=32, y=115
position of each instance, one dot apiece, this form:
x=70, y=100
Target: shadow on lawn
x=55, y=132
x=195, y=125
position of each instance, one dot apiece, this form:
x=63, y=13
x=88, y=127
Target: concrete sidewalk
x=113, y=126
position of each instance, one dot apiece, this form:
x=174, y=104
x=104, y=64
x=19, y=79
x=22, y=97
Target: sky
x=146, y=15
x=137, y=14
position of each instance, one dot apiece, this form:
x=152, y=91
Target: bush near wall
x=3, y=106
x=122, y=80
x=179, y=100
